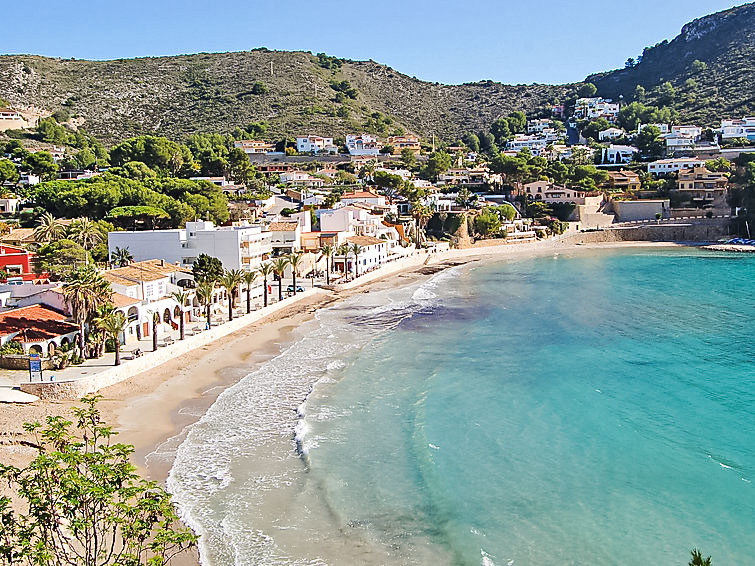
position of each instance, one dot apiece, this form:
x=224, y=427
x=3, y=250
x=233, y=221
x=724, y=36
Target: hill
x=711, y=65
x=291, y=91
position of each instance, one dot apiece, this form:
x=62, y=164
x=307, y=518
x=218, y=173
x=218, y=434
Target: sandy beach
x=153, y=410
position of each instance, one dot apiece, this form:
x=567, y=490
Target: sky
x=545, y=41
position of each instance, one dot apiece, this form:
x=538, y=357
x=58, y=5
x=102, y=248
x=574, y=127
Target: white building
x=611, y=134
x=677, y=141
x=252, y=147
x=537, y=126
x=315, y=144
x=664, y=166
x=286, y=237
x=363, y=144
x=663, y=128
x=619, y=153
x=367, y=197
x=691, y=131
x=238, y=247
x=11, y=120
x=373, y=252
x=534, y=143
x=592, y=108
x=743, y=128
x=301, y=178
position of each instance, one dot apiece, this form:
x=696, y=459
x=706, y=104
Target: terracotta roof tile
x=35, y=323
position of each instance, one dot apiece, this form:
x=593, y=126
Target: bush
x=11, y=349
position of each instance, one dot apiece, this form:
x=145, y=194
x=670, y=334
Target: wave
x=236, y=452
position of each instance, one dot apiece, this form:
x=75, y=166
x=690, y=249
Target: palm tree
x=48, y=229
x=279, y=268
x=231, y=280
x=121, y=257
x=102, y=313
x=356, y=249
x=249, y=278
x=84, y=292
x=698, y=560
x=344, y=250
x=155, y=322
x=85, y=233
x=181, y=297
x=205, y=290
x=115, y=323
x=294, y=258
x=265, y=270
x=327, y=250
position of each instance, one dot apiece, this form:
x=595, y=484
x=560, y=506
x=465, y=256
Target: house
x=691, y=131
x=611, y=134
x=742, y=128
x=17, y=262
x=665, y=166
x=623, y=180
x=12, y=120
x=592, y=108
x=354, y=219
x=363, y=144
x=645, y=209
x=537, y=126
x=704, y=187
x=251, y=147
x=301, y=178
x=407, y=141
x=9, y=205
x=619, y=154
x=242, y=247
x=315, y=144
x=663, y=128
x=373, y=253
x=286, y=237
x=677, y=142
x=549, y=192
x=521, y=141
x=367, y=197
x=38, y=328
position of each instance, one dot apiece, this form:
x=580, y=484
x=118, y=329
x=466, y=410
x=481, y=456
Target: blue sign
x=35, y=367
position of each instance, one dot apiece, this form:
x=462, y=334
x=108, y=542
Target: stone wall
x=704, y=230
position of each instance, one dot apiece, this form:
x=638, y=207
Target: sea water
x=592, y=407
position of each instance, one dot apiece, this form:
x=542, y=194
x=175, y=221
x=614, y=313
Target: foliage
x=437, y=163
x=158, y=153
x=58, y=258
x=84, y=502
x=487, y=222
x=698, y=560
x=345, y=88
x=207, y=268
x=145, y=217
x=8, y=172
x=9, y=349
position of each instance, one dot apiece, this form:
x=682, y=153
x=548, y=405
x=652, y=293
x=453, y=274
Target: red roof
x=35, y=323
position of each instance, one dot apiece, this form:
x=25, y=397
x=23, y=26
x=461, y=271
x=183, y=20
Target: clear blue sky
x=518, y=41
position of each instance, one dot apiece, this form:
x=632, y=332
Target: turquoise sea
x=589, y=407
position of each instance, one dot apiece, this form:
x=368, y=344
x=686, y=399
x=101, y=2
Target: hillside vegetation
x=710, y=64
x=293, y=92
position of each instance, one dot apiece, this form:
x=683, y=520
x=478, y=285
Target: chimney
x=162, y=263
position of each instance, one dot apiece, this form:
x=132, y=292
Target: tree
x=437, y=163
x=344, y=250
x=279, y=268
x=231, y=280
x=8, y=172
x=698, y=560
x=249, y=277
x=60, y=257
x=389, y=183
x=587, y=90
x=155, y=322
x=181, y=297
x=121, y=257
x=629, y=63
x=85, y=291
x=265, y=270
x=639, y=93
x=487, y=222
x=471, y=141
x=356, y=249
x=698, y=66
x=650, y=142
x=207, y=268
x=114, y=324
x=666, y=94
x=85, y=233
x=84, y=503
x=327, y=251
x=48, y=229
x=294, y=259
x=136, y=217
x=41, y=164
x=408, y=158
x=594, y=127
x=205, y=290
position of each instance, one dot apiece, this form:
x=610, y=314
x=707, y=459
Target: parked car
x=299, y=289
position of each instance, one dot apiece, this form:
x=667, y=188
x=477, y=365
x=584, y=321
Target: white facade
x=664, y=166
x=610, y=134
x=363, y=144
x=367, y=197
x=664, y=128
x=301, y=178
x=537, y=126
x=315, y=144
x=592, y=108
x=679, y=142
x=619, y=153
x=252, y=147
x=690, y=131
x=238, y=247
x=744, y=128
x=534, y=143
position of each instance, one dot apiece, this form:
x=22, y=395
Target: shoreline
x=175, y=395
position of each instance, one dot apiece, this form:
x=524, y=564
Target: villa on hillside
x=623, y=180
x=703, y=186
x=38, y=328
x=407, y=141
